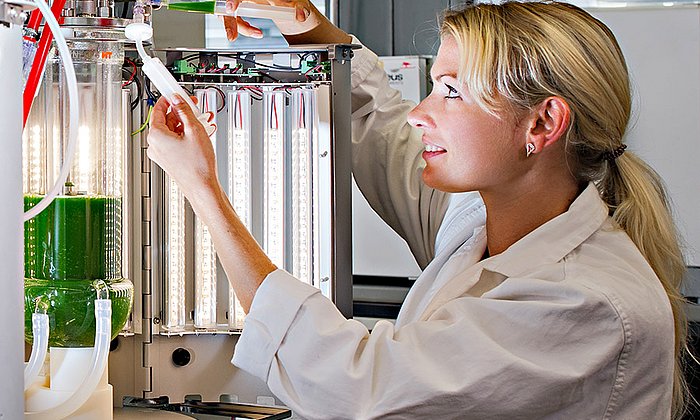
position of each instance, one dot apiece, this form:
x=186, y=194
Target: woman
x=551, y=263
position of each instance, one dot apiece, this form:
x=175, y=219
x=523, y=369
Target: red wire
x=42, y=54
x=302, y=123
x=133, y=73
x=274, y=110
x=240, y=110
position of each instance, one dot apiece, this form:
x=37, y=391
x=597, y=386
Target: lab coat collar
x=555, y=239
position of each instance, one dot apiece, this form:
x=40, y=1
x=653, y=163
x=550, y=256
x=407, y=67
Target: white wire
x=72, y=81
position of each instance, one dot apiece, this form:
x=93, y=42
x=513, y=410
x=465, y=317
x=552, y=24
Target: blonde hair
x=518, y=54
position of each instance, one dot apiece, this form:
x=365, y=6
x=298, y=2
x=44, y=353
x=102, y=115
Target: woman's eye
x=452, y=93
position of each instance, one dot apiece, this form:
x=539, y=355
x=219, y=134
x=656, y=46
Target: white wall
x=662, y=47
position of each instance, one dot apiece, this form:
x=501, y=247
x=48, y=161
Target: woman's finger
x=159, y=112
x=230, y=23
x=171, y=121
x=245, y=28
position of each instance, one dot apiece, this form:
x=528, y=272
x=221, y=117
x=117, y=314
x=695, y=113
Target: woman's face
x=466, y=148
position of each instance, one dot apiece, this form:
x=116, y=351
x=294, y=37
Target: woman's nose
x=419, y=118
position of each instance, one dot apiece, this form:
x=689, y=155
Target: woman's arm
x=179, y=145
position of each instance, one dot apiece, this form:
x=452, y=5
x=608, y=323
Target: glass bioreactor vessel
x=75, y=250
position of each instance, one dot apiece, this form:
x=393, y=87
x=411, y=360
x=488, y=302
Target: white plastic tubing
x=98, y=363
x=74, y=106
x=40, y=330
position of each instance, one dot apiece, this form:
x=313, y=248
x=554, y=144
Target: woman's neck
x=511, y=215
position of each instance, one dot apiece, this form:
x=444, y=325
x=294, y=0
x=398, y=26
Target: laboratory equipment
x=75, y=248
x=75, y=245
x=283, y=157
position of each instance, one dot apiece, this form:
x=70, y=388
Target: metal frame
x=150, y=351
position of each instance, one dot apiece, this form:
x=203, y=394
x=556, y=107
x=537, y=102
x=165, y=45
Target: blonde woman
x=551, y=264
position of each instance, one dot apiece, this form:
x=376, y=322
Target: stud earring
x=529, y=149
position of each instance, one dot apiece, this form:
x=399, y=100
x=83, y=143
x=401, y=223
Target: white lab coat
x=570, y=322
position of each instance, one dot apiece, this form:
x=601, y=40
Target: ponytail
x=638, y=202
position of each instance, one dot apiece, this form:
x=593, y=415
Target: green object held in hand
x=194, y=6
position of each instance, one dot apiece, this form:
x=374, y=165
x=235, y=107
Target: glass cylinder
x=73, y=249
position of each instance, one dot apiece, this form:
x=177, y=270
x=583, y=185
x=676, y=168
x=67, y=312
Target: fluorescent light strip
x=205, y=255
x=239, y=179
x=302, y=186
x=175, y=259
x=274, y=170
x=205, y=278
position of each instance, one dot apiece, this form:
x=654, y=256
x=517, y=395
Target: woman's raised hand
x=307, y=18
x=179, y=144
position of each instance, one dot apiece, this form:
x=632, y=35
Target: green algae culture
x=193, y=6
x=70, y=305
x=71, y=250
x=75, y=238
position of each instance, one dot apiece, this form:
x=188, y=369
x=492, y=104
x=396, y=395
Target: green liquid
x=194, y=6
x=75, y=238
x=71, y=248
x=71, y=309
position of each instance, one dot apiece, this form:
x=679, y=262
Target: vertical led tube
x=205, y=255
x=303, y=200
x=174, y=314
x=239, y=178
x=274, y=176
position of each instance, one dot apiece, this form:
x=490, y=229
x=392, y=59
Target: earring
x=529, y=149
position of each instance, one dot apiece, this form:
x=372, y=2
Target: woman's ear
x=550, y=120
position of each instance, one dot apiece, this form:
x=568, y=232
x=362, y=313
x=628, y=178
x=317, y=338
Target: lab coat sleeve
x=523, y=350
x=387, y=163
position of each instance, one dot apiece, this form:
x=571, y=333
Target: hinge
x=146, y=270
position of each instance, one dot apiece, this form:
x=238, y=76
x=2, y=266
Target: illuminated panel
x=303, y=190
x=205, y=255
x=274, y=170
x=239, y=178
x=175, y=258
x=84, y=160
x=34, y=157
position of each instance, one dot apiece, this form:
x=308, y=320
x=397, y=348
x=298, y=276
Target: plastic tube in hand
x=246, y=9
x=159, y=74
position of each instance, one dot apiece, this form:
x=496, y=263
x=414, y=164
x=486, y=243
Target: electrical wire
x=221, y=93
x=133, y=72
x=255, y=92
x=269, y=77
x=273, y=114
x=145, y=123
x=237, y=57
x=302, y=119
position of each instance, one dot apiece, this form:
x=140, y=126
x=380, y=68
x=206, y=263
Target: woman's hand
x=179, y=144
x=307, y=18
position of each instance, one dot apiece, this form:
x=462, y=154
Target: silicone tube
x=74, y=107
x=98, y=363
x=40, y=346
